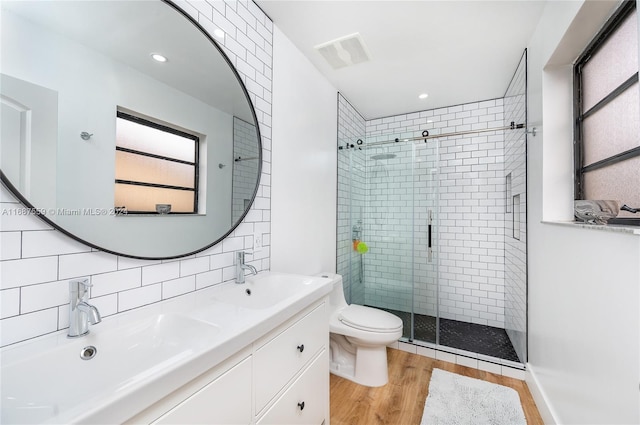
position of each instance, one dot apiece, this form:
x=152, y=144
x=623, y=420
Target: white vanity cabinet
x=281, y=378
x=284, y=352
x=226, y=400
x=305, y=401
x=222, y=395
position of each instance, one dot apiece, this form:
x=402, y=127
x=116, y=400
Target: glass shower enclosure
x=392, y=253
x=434, y=230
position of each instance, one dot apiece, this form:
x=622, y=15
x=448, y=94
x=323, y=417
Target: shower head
x=383, y=156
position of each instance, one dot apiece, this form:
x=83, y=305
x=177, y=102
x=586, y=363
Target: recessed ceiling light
x=158, y=57
x=423, y=96
x=218, y=33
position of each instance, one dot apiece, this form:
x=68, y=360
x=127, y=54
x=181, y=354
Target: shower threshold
x=481, y=339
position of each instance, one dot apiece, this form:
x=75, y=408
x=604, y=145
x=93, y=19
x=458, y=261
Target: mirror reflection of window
x=155, y=165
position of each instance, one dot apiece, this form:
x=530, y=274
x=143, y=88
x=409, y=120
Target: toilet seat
x=369, y=319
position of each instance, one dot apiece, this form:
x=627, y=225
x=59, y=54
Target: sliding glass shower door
x=388, y=230
x=390, y=200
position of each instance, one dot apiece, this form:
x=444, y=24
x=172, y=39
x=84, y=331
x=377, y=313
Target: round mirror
x=125, y=126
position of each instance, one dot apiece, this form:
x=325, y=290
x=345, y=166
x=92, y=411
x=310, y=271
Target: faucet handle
x=81, y=286
x=240, y=255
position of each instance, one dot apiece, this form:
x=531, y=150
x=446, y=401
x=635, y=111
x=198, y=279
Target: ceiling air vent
x=344, y=51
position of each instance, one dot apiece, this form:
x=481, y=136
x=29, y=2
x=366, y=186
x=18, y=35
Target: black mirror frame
x=32, y=210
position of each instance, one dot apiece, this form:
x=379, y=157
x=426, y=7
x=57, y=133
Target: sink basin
x=264, y=290
x=38, y=386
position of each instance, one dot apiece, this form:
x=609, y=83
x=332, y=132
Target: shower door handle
x=429, y=238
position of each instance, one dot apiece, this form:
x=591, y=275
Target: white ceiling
x=129, y=31
x=456, y=51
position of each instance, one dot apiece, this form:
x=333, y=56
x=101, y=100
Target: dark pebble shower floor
x=472, y=337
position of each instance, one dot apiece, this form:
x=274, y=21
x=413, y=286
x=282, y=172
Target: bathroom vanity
x=282, y=378
x=255, y=353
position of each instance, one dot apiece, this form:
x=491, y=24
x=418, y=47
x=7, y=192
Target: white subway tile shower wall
x=351, y=196
x=469, y=220
x=515, y=250
x=245, y=166
x=37, y=261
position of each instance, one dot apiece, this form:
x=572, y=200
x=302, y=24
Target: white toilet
x=358, y=339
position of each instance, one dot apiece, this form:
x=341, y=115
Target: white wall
x=304, y=164
x=583, y=282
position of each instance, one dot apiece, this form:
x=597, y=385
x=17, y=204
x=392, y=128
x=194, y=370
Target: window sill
x=604, y=228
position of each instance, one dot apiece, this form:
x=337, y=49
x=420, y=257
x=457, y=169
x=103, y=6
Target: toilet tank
x=336, y=298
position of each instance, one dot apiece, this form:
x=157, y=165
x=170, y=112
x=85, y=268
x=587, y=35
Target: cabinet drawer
x=277, y=362
x=305, y=402
x=227, y=400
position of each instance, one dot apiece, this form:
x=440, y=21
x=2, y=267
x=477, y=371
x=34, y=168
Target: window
x=155, y=165
x=607, y=112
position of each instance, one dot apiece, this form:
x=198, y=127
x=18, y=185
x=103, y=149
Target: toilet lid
x=369, y=319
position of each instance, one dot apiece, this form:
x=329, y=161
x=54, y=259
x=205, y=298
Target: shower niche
x=445, y=243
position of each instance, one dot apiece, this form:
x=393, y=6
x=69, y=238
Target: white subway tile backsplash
x=28, y=271
x=204, y=8
x=10, y=245
x=204, y=280
x=43, y=296
x=232, y=244
x=26, y=326
x=194, y=266
x=218, y=5
x=74, y=265
x=107, y=305
x=109, y=283
x=9, y=302
x=139, y=297
x=160, y=272
x=49, y=242
x=222, y=260
x=63, y=316
x=173, y=288
x=228, y=273
x=234, y=18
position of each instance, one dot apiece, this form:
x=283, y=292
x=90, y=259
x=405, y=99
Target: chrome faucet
x=241, y=267
x=81, y=313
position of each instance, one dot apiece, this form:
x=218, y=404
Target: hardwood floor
x=401, y=401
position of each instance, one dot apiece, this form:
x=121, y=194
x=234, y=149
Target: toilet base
x=362, y=365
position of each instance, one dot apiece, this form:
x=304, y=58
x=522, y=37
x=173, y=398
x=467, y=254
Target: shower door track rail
x=425, y=136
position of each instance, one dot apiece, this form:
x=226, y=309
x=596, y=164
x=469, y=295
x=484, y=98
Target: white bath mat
x=457, y=399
